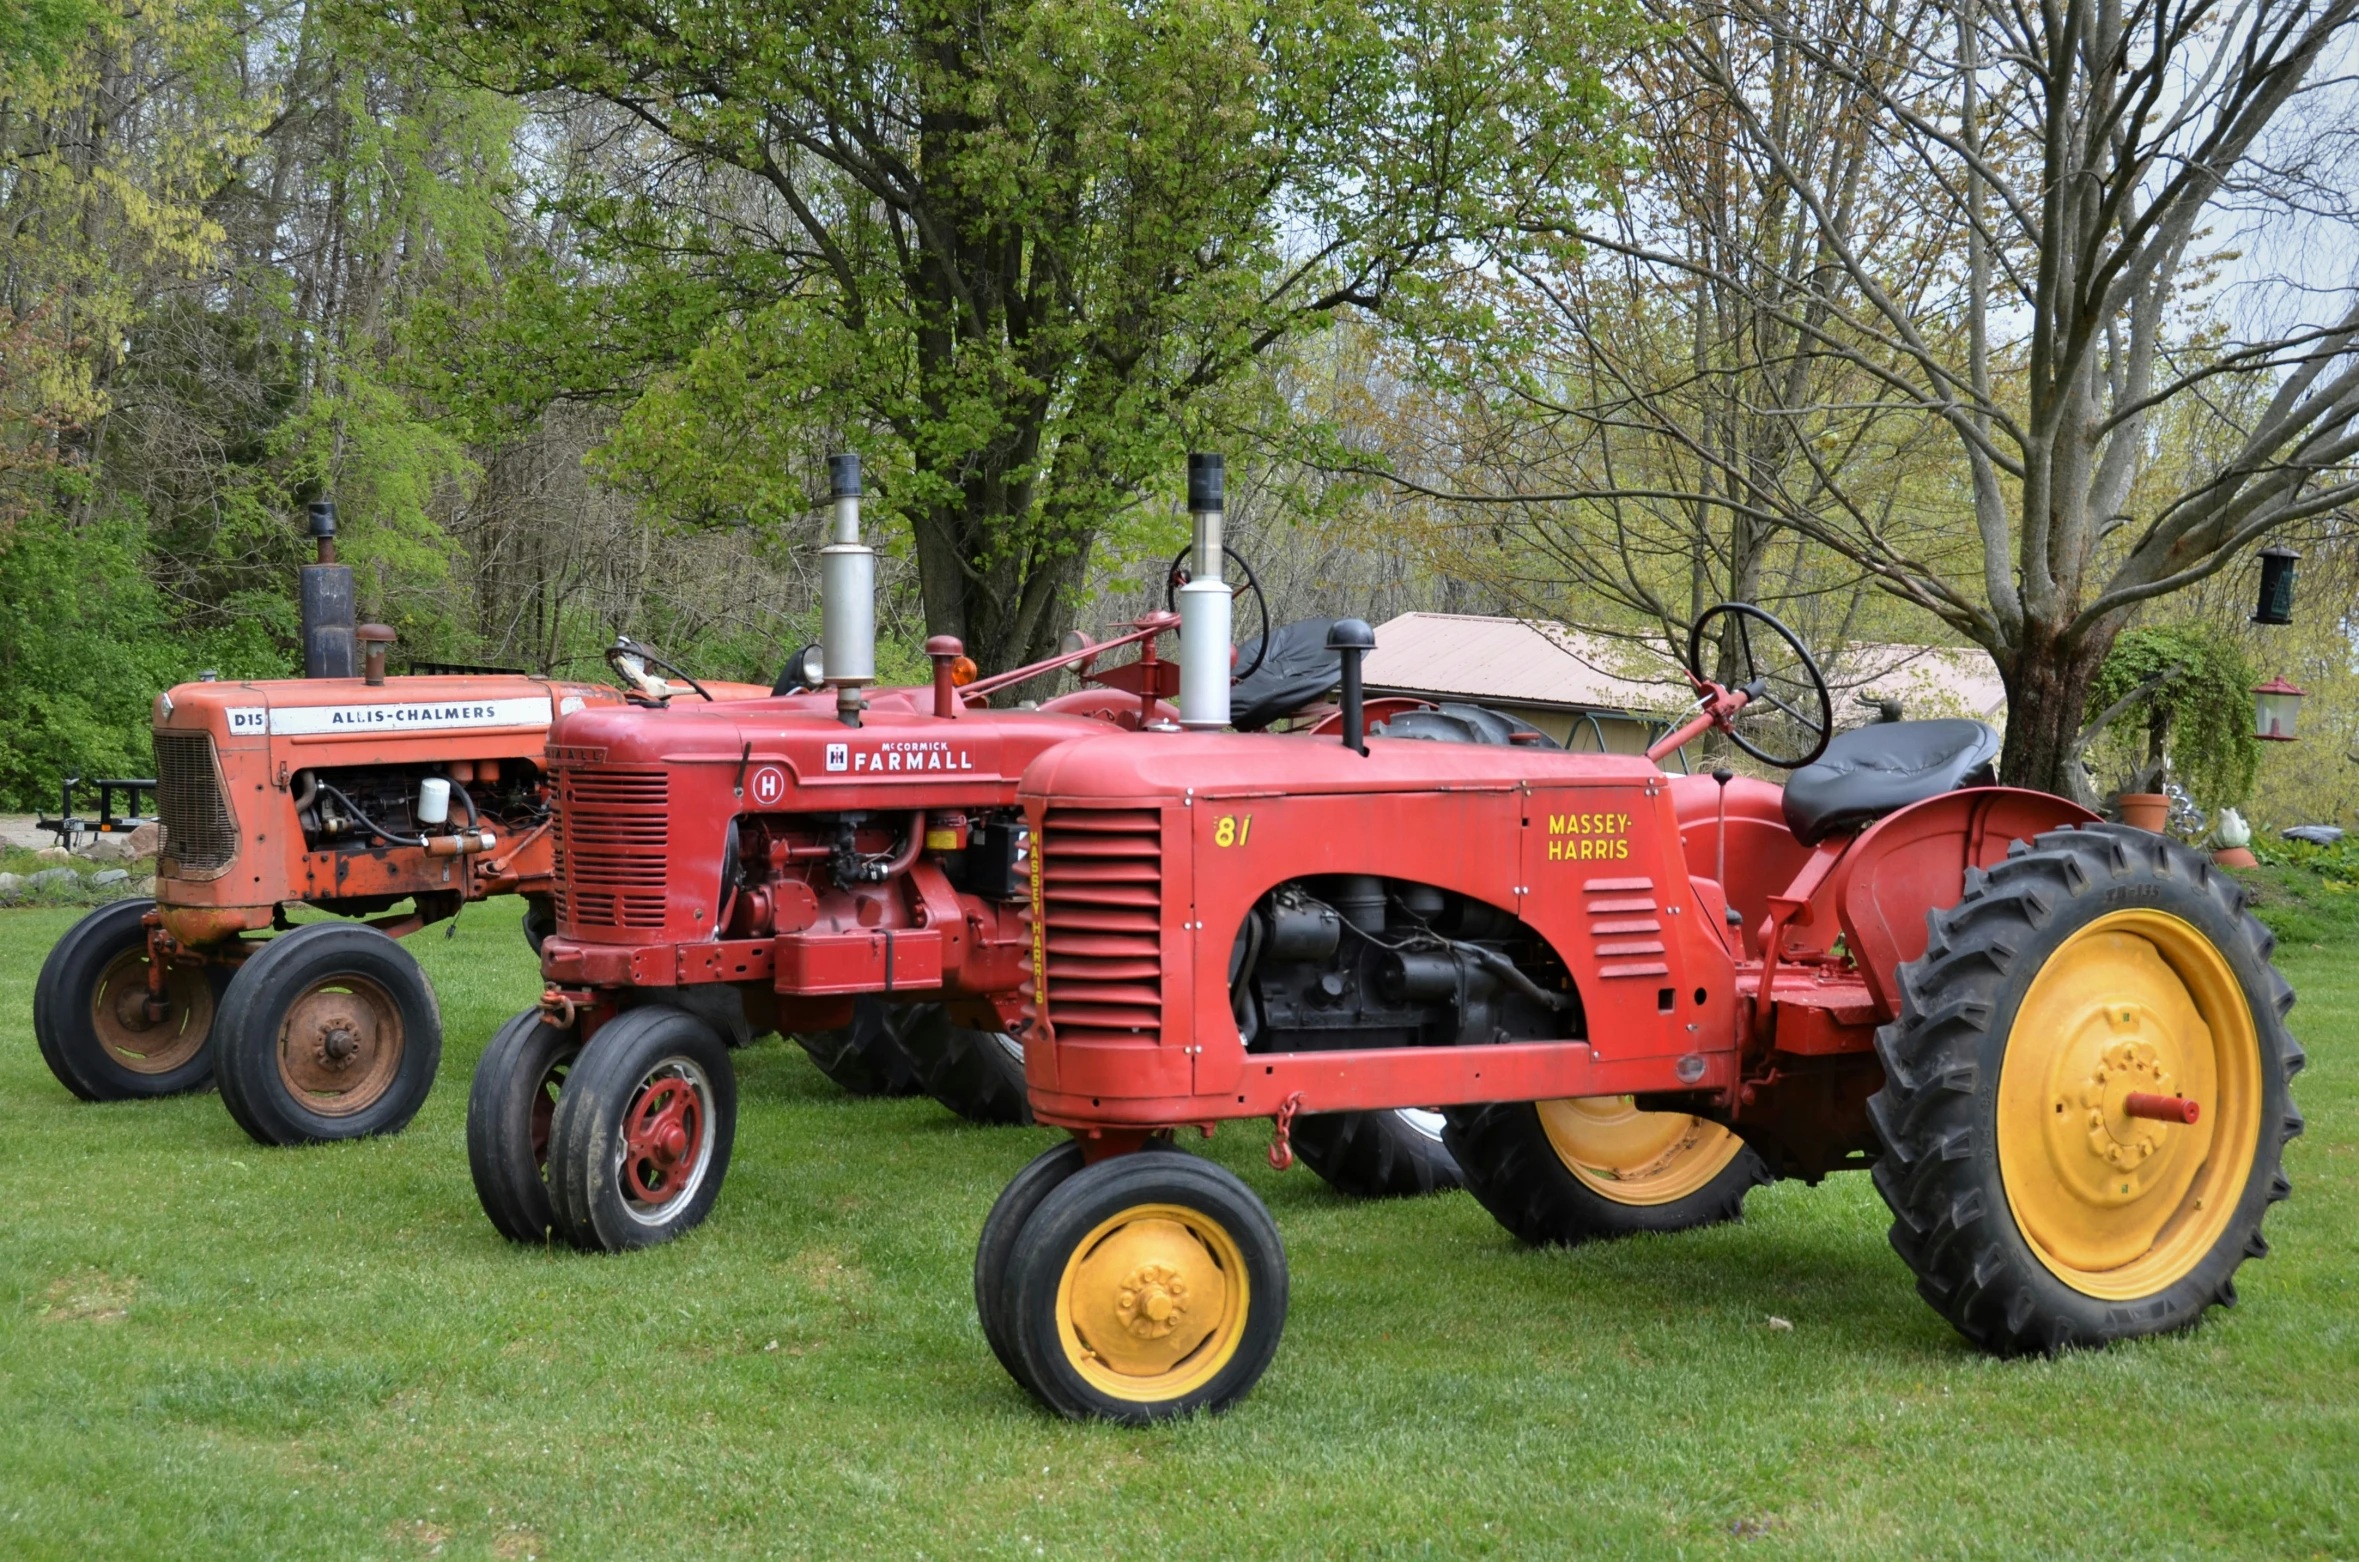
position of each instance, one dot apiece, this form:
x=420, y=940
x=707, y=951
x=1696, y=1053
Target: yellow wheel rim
x=2120, y=1207
x=1153, y=1303
x=1635, y=1157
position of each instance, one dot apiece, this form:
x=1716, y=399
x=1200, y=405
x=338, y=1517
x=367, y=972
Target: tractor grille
x=192, y=803
x=1101, y=891
x=612, y=830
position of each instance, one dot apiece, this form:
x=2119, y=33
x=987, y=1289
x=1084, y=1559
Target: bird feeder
x=2276, y=605
x=2275, y=704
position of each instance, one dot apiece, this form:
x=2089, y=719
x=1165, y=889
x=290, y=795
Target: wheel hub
x=123, y=1012
x=663, y=1139
x=1147, y=1296
x=340, y=1046
x=2131, y=1065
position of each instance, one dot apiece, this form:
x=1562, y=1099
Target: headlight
x=804, y=669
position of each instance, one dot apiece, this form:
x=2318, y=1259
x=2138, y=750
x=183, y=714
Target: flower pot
x=2145, y=810
x=2236, y=857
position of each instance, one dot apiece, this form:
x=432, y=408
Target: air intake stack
x=1204, y=604
x=326, y=603
x=847, y=595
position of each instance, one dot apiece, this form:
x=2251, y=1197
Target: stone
x=110, y=848
x=53, y=854
x=110, y=876
x=9, y=881
x=53, y=876
x=147, y=840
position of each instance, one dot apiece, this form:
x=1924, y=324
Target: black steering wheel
x=1178, y=576
x=1777, y=725
x=625, y=647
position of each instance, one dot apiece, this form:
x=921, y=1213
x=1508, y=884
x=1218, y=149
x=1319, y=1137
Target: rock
x=53, y=854
x=110, y=876
x=52, y=876
x=110, y=848
x=147, y=840
x=9, y=881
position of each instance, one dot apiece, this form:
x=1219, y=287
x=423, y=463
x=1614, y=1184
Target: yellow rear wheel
x=1634, y=1157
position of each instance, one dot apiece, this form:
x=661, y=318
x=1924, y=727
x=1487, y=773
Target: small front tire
x=328, y=1032
x=641, y=1137
x=510, y=1111
x=90, y=1014
x=1145, y=1287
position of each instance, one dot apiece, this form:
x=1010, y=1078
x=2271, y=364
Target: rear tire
x=2037, y=1213
x=328, y=1032
x=540, y=919
x=865, y=1057
x=978, y=1074
x=1145, y=1287
x=641, y=1138
x=510, y=1111
x=90, y=1019
x=1377, y=1155
x=1559, y=1172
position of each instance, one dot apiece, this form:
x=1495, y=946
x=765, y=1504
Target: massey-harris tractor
x=347, y=793
x=856, y=879
x=2059, y=1044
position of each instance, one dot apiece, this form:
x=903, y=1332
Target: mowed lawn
x=210, y=1349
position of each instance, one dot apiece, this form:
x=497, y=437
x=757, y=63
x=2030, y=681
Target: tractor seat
x=1881, y=768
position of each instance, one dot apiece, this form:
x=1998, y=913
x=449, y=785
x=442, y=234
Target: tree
x=2054, y=304
x=1018, y=250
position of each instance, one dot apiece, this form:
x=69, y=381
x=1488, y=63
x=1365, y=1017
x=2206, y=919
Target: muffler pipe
x=325, y=602
x=847, y=594
x=1351, y=639
x=1204, y=604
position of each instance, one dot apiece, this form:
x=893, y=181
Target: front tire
x=2038, y=1211
x=641, y=1137
x=510, y=1110
x=90, y=1014
x=328, y=1032
x=1145, y=1287
x=1559, y=1172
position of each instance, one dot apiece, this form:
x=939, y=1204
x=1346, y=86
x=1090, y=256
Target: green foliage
x=2198, y=718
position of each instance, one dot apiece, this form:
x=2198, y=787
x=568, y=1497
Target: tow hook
x=1281, y=1142
x=561, y=1008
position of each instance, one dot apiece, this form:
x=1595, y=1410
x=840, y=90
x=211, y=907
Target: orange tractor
x=2058, y=1044
x=350, y=794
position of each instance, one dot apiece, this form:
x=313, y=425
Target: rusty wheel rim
x=544, y=1106
x=118, y=1012
x=340, y=1045
x=666, y=1144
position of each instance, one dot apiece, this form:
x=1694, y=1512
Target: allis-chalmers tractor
x=346, y=793
x=2058, y=1044
x=855, y=878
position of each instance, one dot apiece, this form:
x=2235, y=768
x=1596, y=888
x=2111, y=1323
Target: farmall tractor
x=855, y=878
x=2058, y=1044
x=344, y=790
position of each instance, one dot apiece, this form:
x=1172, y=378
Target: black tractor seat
x=1878, y=769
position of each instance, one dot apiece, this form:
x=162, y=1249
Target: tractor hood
x=1245, y=765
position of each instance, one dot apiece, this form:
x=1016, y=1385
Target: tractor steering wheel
x=625, y=649
x=1178, y=576
x=1778, y=725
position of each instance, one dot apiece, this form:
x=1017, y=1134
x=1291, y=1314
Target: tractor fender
x=1912, y=861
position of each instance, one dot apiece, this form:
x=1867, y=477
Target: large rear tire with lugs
x=1377, y=1154
x=2081, y=1002
x=1579, y=1170
x=979, y=1074
x=866, y=1057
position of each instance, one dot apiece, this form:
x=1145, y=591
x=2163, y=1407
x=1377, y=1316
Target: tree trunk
x=2047, y=681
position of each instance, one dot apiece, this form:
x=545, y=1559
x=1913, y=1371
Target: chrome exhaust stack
x=847, y=595
x=1204, y=604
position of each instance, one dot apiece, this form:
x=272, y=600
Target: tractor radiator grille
x=192, y=803
x=612, y=830
x=1101, y=892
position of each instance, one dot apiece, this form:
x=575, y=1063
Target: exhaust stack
x=847, y=595
x=1204, y=604
x=325, y=599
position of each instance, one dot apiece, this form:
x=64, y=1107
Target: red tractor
x=347, y=791
x=855, y=878
x=2058, y=1044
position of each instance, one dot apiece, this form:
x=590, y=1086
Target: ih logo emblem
x=839, y=756
x=769, y=785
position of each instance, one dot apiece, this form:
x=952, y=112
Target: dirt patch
x=93, y=1296
x=519, y=1545
x=418, y=1532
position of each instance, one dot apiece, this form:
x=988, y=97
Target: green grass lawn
x=211, y=1349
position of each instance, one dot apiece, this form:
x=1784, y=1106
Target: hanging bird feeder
x=2276, y=605
x=2275, y=705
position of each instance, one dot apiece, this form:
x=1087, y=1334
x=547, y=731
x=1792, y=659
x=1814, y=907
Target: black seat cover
x=1298, y=670
x=1878, y=769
